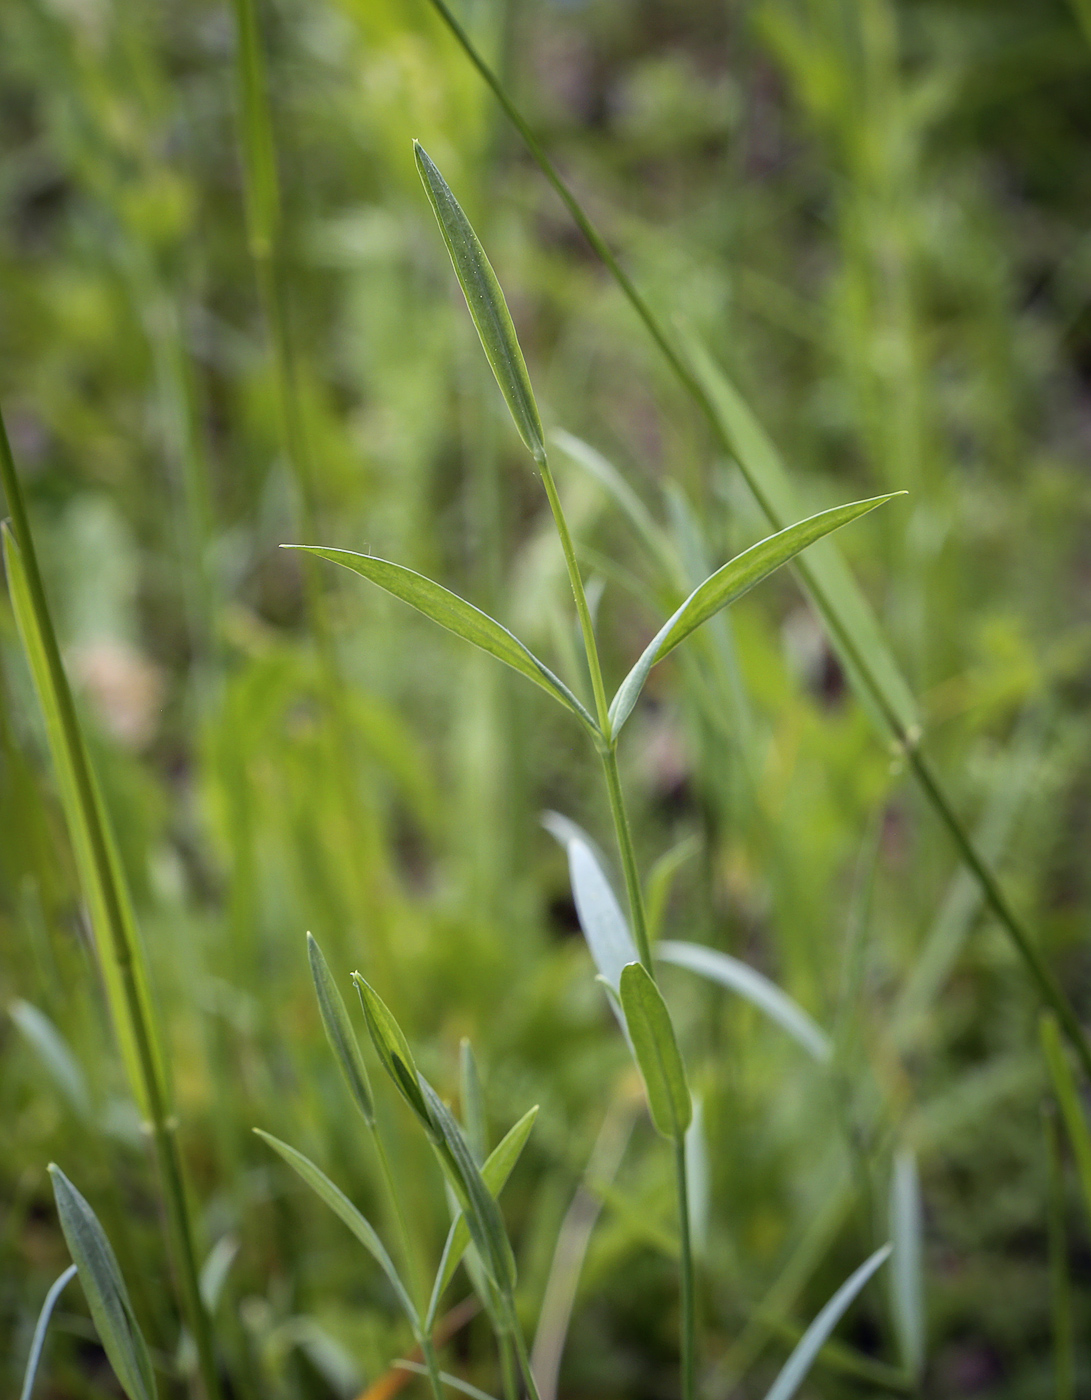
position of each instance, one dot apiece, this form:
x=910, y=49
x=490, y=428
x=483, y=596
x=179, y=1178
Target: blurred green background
x=876, y=215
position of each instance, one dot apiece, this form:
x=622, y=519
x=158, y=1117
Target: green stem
x=179, y=1228
x=509, y=1368
x=409, y=1254
x=633, y=887
x=689, y=1311
x=428, y=1351
x=521, y=1351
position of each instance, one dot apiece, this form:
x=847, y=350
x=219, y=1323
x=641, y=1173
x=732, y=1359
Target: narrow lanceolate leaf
x=107, y=1296
x=101, y=877
x=737, y=977
x=487, y=305
x=393, y=1049
x=656, y=1051
x=478, y=1204
x=727, y=584
x=1064, y=1086
x=473, y=1100
x=907, y=1265
x=457, y=616
x=498, y=1167
x=339, y=1032
x=343, y=1208
x=816, y=1336
x=604, y=925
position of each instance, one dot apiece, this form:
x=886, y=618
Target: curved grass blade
x=737, y=977
x=339, y=1032
x=1064, y=1086
x=813, y=1340
x=497, y=1168
x=479, y=1206
x=107, y=1296
x=656, y=1051
x=457, y=616
x=463, y=1387
x=37, y=1342
x=486, y=302
x=726, y=585
x=55, y=1054
x=393, y=1050
x=604, y=925
x=343, y=1208
x=907, y=1281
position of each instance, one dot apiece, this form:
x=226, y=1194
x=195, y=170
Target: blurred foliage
x=876, y=214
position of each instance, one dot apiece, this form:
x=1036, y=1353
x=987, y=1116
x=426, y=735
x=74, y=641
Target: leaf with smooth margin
x=343, y=1208
x=54, y=1052
x=604, y=925
x=339, y=1032
x=907, y=1282
x=104, y=1288
x=41, y=1327
x=96, y=882
x=1068, y=1097
x=816, y=1336
x=737, y=977
x=657, y=1052
x=457, y=616
x=393, y=1049
x=728, y=584
x=497, y=1168
x=486, y=302
x=478, y=1203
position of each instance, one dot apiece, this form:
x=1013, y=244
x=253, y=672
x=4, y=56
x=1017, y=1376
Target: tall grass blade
x=41, y=1327
x=457, y=616
x=339, y=1032
x=486, y=302
x=812, y=1341
x=105, y=1290
x=726, y=585
x=737, y=977
x=393, y=1050
x=343, y=1208
x=657, y=1052
x=907, y=1262
x=1064, y=1086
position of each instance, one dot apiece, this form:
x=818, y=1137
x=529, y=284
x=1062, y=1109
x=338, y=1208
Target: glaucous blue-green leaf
x=758, y=990
x=41, y=1327
x=457, y=616
x=727, y=584
x=604, y=925
x=656, y=1050
x=486, y=302
x=339, y=1032
x=107, y=1296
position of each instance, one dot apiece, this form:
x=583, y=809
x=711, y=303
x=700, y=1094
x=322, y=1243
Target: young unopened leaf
x=457, y=616
x=486, y=303
x=393, y=1049
x=758, y=990
x=339, y=1032
x=726, y=585
x=343, y=1208
x=656, y=1050
x=604, y=925
x=815, y=1337
x=107, y=1296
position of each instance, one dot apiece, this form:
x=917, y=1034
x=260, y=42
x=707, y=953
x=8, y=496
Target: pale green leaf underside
x=725, y=586
x=656, y=1051
x=104, y=1288
x=456, y=615
x=343, y=1208
x=737, y=977
x=604, y=926
x=486, y=302
x=816, y=1336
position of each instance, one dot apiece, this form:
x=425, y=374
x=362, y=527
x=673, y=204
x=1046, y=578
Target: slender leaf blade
x=737, y=977
x=55, y=1053
x=393, y=1049
x=41, y=1327
x=1064, y=1086
x=907, y=1265
x=455, y=615
x=604, y=926
x=816, y=1335
x=339, y=1032
x=486, y=303
x=725, y=586
x=105, y=1290
x=656, y=1050
x=347, y=1213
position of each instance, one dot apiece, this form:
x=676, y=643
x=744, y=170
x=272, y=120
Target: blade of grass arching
x=104, y=888
x=41, y=1327
x=1064, y=1086
x=1060, y=1285
x=852, y=624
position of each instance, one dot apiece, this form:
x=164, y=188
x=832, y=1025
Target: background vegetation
x=875, y=215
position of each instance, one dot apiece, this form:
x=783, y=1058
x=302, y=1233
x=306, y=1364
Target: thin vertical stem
x=633, y=887
x=689, y=1310
x=521, y=1352
x=1060, y=1287
x=428, y=1351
